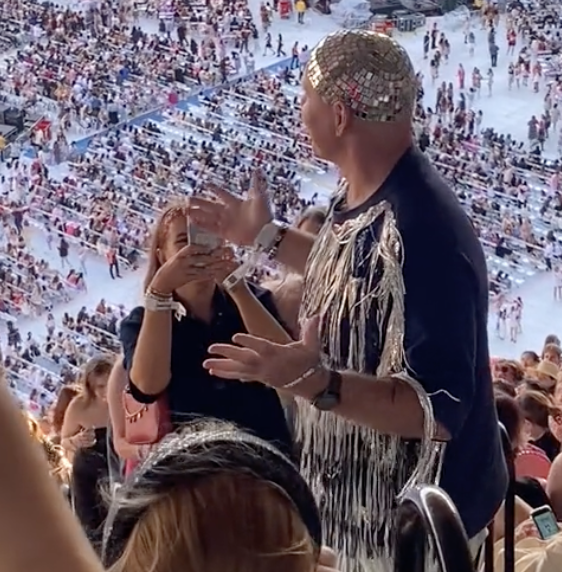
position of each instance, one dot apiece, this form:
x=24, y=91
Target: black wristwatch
x=329, y=397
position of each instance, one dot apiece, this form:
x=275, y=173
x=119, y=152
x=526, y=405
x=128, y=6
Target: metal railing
x=426, y=516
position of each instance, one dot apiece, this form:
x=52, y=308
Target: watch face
x=326, y=401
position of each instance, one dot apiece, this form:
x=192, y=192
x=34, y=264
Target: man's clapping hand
x=251, y=358
x=238, y=220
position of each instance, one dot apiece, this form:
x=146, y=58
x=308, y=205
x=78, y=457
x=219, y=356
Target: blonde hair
x=97, y=366
x=59, y=465
x=159, y=235
x=225, y=522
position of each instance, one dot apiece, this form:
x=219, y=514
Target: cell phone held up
x=199, y=237
x=545, y=522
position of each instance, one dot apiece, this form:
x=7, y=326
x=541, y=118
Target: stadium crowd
x=96, y=68
x=105, y=200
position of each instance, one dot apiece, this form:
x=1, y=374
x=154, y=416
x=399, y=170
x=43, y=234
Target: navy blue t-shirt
x=446, y=316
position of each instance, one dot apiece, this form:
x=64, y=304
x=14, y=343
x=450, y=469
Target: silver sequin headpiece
x=369, y=72
x=200, y=450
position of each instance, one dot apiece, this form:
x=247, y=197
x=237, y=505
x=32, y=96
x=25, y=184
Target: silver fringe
x=358, y=504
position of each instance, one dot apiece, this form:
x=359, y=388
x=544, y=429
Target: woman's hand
x=238, y=220
x=85, y=438
x=526, y=529
x=191, y=263
x=228, y=266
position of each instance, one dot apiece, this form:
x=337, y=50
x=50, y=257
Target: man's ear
x=342, y=118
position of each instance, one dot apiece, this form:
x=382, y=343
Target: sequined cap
x=369, y=72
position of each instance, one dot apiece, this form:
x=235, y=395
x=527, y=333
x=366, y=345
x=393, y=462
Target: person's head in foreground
x=213, y=498
x=530, y=360
x=508, y=370
x=359, y=95
x=546, y=375
x=552, y=339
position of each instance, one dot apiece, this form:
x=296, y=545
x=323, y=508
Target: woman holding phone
x=186, y=310
x=84, y=440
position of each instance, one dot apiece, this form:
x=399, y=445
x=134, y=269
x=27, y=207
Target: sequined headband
x=198, y=453
x=368, y=72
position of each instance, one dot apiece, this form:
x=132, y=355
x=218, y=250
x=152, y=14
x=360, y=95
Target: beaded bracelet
x=307, y=374
x=158, y=295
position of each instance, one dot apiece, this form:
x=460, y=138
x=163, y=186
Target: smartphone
x=200, y=237
x=545, y=521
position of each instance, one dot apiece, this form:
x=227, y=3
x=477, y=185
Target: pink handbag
x=145, y=424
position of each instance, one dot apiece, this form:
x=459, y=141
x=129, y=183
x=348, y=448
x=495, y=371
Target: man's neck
x=366, y=175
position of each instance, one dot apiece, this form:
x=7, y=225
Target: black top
x=193, y=392
x=549, y=444
x=90, y=472
x=446, y=341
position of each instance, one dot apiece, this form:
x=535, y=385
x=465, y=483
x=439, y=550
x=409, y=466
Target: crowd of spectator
x=95, y=67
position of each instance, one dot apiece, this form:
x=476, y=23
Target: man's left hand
x=257, y=359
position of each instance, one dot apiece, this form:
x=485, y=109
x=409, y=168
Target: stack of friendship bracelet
x=155, y=301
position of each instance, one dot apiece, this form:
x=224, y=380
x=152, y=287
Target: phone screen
x=545, y=521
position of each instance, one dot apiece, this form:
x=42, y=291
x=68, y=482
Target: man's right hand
x=238, y=220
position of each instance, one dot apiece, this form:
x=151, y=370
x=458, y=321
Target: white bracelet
x=234, y=278
x=153, y=303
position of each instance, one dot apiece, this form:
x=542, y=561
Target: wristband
x=234, y=278
x=270, y=237
x=153, y=303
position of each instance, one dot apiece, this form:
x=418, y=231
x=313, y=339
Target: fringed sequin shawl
x=354, y=281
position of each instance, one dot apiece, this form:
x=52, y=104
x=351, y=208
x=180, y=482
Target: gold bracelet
x=158, y=295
